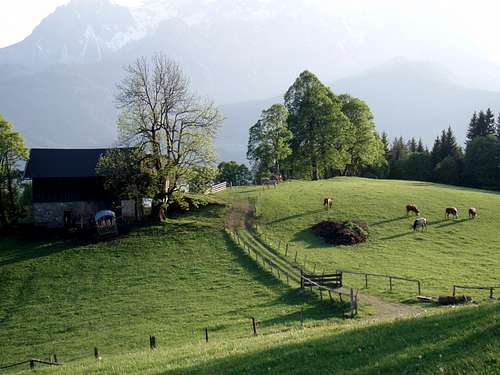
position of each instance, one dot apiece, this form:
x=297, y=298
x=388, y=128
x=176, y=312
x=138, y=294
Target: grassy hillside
x=450, y=252
x=464, y=342
x=171, y=281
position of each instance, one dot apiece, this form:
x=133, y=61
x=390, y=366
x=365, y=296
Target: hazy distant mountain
x=407, y=98
x=59, y=83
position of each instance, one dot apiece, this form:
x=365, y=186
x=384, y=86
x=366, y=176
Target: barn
x=67, y=192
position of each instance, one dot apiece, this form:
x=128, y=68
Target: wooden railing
x=490, y=288
x=391, y=278
x=217, y=188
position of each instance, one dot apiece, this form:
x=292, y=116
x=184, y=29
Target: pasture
x=464, y=341
x=172, y=281
x=448, y=252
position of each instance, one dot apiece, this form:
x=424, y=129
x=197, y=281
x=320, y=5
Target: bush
x=342, y=233
x=183, y=202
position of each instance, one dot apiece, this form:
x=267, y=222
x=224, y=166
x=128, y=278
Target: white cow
x=420, y=222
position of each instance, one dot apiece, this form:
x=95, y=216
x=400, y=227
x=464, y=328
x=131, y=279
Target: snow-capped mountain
x=83, y=31
x=58, y=84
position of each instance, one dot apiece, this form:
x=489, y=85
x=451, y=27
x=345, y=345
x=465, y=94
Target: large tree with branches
x=172, y=127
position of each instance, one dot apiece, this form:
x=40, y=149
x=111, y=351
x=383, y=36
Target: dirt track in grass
x=240, y=217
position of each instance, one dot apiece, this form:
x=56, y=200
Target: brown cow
x=453, y=211
x=472, y=213
x=412, y=208
x=328, y=203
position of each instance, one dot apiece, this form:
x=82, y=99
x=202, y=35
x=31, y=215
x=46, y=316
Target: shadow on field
x=459, y=342
x=453, y=222
x=315, y=310
x=13, y=250
x=291, y=217
x=388, y=220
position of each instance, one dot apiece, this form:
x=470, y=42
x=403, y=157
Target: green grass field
x=172, y=281
x=450, y=252
x=175, y=279
x=463, y=342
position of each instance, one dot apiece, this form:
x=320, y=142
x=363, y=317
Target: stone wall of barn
x=51, y=215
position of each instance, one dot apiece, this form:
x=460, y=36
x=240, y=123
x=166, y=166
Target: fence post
x=55, y=358
x=454, y=290
x=295, y=256
x=254, y=327
x=390, y=283
x=419, y=290
x=366, y=281
x=491, y=293
x=152, y=342
x=206, y=334
x=286, y=249
x=32, y=364
x=96, y=354
x=351, y=295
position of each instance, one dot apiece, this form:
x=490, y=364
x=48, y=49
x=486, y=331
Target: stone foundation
x=51, y=215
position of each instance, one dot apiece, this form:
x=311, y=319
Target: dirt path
x=240, y=217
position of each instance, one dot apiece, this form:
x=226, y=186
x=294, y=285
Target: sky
x=20, y=17
x=470, y=24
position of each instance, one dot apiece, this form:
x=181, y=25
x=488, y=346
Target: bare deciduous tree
x=173, y=127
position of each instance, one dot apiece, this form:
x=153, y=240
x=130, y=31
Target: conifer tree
x=420, y=146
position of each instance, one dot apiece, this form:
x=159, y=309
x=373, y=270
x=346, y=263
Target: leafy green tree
x=127, y=173
x=366, y=149
x=418, y=166
x=12, y=151
x=322, y=133
x=202, y=179
x=384, y=138
x=268, y=144
x=173, y=128
x=447, y=171
x=234, y=173
x=482, y=162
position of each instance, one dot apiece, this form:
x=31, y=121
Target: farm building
x=67, y=192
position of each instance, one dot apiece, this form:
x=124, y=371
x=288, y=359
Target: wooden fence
x=32, y=363
x=217, y=188
x=302, y=278
x=490, y=288
x=390, y=278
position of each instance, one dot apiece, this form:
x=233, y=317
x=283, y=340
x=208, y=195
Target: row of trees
x=317, y=134
x=12, y=152
x=477, y=166
x=314, y=134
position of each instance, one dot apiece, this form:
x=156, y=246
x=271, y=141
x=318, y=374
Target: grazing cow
x=412, y=208
x=420, y=222
x=268, y=182
x=451, y=211
x=328, y=203
x=472, y=213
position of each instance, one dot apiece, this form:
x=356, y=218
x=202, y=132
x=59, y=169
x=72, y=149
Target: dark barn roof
x=62, y=163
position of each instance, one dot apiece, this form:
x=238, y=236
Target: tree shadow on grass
x=454, y=342
x=20, y=251
x=453, y=222
x=381, y=222
x=296, y=216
